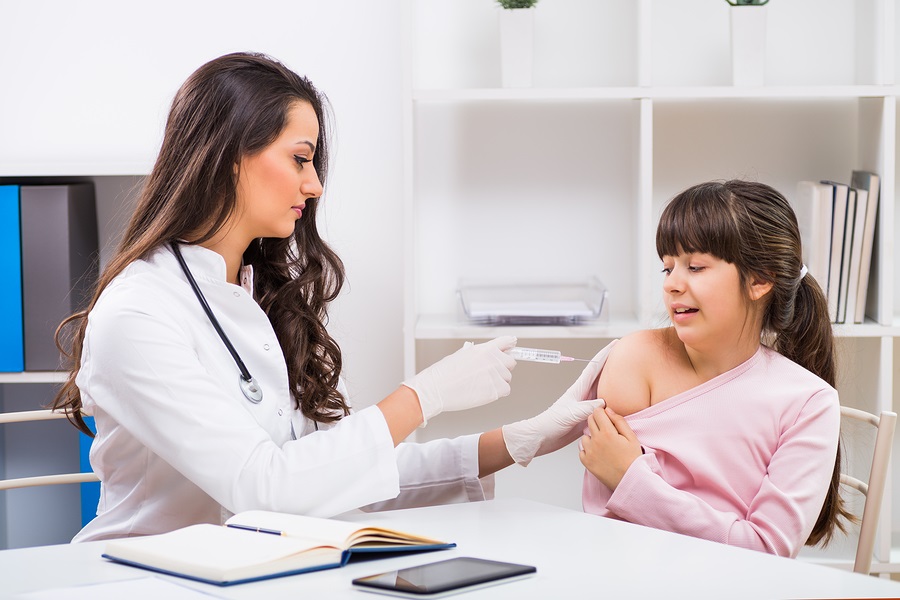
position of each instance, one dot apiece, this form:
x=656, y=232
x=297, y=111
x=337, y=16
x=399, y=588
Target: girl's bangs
x=698, y=221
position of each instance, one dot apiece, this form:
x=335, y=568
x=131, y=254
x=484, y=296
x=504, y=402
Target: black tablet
x=443, y=578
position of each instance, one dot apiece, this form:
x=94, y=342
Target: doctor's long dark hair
x=235, y=106
x=753, y=227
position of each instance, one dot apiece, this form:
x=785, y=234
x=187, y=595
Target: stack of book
x=49, y=259
x=837, y=226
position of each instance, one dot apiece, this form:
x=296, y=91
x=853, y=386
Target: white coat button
x=265, y=346
x=237, y=294
x=280, y=412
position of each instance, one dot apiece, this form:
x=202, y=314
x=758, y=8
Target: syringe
x=543, y=356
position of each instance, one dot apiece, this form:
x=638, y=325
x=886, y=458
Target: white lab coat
x=177, y=443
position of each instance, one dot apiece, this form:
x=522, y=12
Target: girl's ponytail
x=808, y=340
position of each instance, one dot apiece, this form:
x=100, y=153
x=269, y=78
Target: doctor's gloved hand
x=563, y=422
x=474, y=375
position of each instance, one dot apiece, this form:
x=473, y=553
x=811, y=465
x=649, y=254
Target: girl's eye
x=695, y=269
x=300, y=160
x=667, y=270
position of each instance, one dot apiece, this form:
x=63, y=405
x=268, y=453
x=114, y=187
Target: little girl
x=732, y=417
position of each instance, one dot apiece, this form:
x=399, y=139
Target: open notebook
x=256, y=545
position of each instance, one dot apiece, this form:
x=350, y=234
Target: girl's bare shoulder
x=625, y=381
x=642, y=348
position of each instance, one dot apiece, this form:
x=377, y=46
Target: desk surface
x=574, y=553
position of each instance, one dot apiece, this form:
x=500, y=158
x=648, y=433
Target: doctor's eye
x=300, y=160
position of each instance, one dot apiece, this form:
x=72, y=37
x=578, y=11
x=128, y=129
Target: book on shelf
x=12, y=352
x=813, y=207
x=255, y=545
x=846, y=257
x=865, y=180
x=837, y=223
x=60, y=262
x=857, y=227
x=840, y=196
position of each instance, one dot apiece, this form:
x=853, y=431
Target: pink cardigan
x=744, y=459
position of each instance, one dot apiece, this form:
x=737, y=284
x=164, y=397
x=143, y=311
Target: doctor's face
x=274, y=185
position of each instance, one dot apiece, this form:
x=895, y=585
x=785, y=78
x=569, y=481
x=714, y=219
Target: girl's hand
x=610, y=447
x=563, y=422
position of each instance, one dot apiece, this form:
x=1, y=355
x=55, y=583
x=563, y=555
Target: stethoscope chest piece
x=251, y=389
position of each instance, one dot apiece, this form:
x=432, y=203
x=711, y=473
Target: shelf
x=867, y=330
x=655, y=93
x=34, y=377
x=892, y=565
x=437, y=327
x=585, y=161
x=74, y=169
x=441, y=327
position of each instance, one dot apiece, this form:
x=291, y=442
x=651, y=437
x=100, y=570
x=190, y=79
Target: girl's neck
x=710, y=365
x=712, y=354
x=711, y=360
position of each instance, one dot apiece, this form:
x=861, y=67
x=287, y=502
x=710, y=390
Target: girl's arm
x=779, y=517
x=624, y=381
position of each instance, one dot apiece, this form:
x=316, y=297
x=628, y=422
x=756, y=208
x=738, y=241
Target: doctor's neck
x=232, y=252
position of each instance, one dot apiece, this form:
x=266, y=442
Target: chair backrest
x=873, y=490
x=21, y=482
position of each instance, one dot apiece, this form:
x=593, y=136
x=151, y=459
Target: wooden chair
x=873, y=489
x=21, y=482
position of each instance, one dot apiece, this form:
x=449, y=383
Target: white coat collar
x=209, y=265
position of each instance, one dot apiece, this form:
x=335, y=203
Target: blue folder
x=12, y=350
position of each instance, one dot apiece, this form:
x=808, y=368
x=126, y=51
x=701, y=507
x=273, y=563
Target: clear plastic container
x=557, y=303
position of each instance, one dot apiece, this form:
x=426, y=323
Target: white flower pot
x=516, y=47
x=748, y=44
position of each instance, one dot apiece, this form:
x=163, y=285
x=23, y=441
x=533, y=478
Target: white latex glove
x=474, y=375
x=562, y=423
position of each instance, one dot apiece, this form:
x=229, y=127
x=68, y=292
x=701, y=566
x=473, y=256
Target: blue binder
x=12, y=351
x=90, y=492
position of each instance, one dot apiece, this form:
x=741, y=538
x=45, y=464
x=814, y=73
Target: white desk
x=575, y=554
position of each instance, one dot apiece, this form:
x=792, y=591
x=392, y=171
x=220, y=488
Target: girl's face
x=274, y=185
x=705, y=300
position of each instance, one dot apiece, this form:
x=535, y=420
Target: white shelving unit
x=52, y=446
x=631, y=103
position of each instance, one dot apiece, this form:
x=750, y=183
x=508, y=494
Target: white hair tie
x=803, y=271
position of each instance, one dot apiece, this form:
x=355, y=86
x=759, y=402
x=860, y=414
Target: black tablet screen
x=445, y=575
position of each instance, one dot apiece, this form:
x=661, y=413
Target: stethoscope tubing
x=248, y=385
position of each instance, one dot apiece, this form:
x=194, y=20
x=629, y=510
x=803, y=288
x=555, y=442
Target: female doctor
x=203, y=355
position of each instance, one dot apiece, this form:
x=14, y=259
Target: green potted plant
x=748, y=41
x=516, y=42
x=513, y=4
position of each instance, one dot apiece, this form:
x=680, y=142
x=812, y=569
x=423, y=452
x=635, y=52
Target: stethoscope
x=251, y=390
